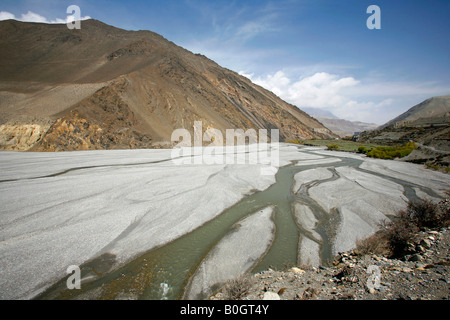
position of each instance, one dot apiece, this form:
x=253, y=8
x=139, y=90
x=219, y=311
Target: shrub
x=423, y=213
x=399, y=234
x=375, y=244
x=362, y=149
x=396, y=237
x=333, y=147
x=392, y=152
x=236, y=288
x=378, y=153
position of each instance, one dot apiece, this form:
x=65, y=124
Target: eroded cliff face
x=101, y=122
x=16, y=136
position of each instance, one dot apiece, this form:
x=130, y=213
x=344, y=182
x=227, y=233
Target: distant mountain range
x=101, y=87
x=341, y=127
x=318, y=112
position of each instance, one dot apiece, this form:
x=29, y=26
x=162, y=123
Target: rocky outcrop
x=17, y=136
x=103, y=121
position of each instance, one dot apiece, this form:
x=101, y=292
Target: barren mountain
x=427, y=124
x=101, y=87
x=435, y=109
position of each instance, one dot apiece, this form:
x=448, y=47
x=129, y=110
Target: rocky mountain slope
x=427, y=124
x=433, y=110
x=101, y=87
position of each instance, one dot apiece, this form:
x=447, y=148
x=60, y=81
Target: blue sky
x=312, y=53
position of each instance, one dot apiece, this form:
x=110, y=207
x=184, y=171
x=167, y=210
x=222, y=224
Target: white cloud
x=347, y=97
x=247, y=75
x=6, y=15
x=321, y=90
x=252, y=29
x=35, y=17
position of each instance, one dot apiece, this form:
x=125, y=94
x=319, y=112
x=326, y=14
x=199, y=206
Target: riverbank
x=353, y=276
x=140, y=226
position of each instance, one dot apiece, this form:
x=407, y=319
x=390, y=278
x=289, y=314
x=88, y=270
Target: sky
x=311, y=53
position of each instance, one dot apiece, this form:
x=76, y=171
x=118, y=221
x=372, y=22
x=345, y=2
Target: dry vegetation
x=396, y=237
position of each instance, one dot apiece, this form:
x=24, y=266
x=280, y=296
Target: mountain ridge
x=427, y=124
x=55, y=74
x=434, y=107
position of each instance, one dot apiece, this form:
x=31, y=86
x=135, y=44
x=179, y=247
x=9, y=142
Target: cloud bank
x=346, y=97
x=34, y=17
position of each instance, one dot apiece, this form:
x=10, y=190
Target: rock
x=271, y=296
x=426, y=243
x=420, y=265
x=420, y=269
x=415, y=257
x=297, y=270
x=420, y=248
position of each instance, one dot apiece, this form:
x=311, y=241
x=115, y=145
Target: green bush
x=392, y=152
x=333, y=147
x=362, y=149
x=378, y=153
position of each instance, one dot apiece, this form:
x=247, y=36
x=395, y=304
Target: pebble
x=297, y=270
x=415, y=257
x=271, y=296
x=420, y=248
